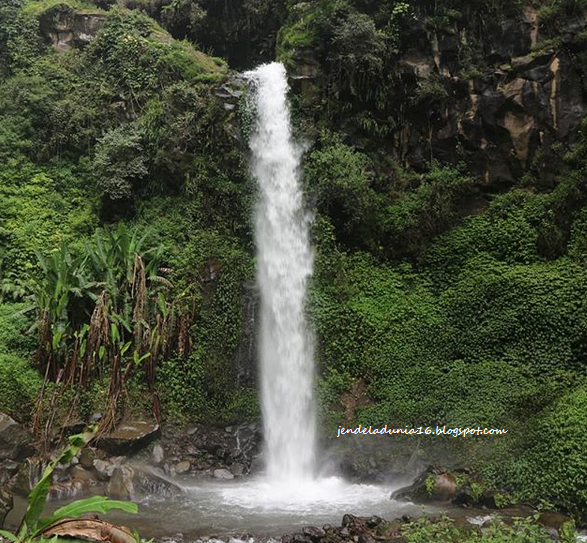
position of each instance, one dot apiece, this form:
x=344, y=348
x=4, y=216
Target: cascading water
x=290, y=494
x=285, y=262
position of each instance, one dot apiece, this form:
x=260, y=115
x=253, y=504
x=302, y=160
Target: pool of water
x=256, y=507
x=253, y=506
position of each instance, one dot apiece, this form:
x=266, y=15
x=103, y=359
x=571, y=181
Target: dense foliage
x=125, y=223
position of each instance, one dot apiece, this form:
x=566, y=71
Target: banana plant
x=33, y=526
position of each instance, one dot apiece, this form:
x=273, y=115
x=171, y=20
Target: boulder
x=223, y=474
x=314, y=532
x=464, y=497
x=29, y=473
x=15, y=440
x=104, y=469
x=433, y=485
x=129, y=438
x=182, y=467
x=87, y=457
x=129, y=482
x=81, y=474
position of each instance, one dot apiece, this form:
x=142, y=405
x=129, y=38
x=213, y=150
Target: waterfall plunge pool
x=251, y=507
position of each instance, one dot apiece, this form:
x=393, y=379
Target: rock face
x=15, y=446
x=65, y=28
x=499, y=112
x=501, y=122
x=246, y=353
x=14, y=440
x=206, y=450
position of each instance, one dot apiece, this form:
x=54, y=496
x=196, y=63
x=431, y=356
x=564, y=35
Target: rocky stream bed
x=199, y=482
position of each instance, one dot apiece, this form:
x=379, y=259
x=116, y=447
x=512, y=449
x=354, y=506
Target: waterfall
x=284, y=265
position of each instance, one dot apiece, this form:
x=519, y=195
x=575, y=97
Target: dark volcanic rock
x=129, y=438
x=222, y=452
x=15, y=440
x=352, y=530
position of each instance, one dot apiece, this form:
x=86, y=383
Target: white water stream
x=284, y=263
x=291, y=493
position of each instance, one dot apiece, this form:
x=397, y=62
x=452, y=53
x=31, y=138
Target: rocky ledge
x=136, y=460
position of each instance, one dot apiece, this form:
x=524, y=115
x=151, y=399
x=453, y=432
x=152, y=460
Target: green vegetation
x=33, y=526
x=126, y=232
x=443, y=530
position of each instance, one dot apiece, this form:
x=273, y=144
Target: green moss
x=37, y=7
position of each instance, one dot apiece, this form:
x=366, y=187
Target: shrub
x=554, y=467
x=20, y=385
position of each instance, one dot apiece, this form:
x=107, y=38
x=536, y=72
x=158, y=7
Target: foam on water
x=327, y=495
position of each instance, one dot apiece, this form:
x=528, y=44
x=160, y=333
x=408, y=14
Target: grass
x=36, y=7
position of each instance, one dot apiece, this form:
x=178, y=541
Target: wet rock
x=208, y=448
x=434, y=485
x=5, y=504
x=8, y=468
x=314, y=532
x=301, y=538
x=223, y=474
x=134, y=482
x=15, y=440
x=68, y=490
x=374, y=521
x=349, y=520
x=81, y=474
x=87, y=457
x=182, y=467
x=130, y=437
x=104, y=469
x=158, y=454
x=29, y=473
x=487, y=499
x=257, y=464
x=464, y=497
